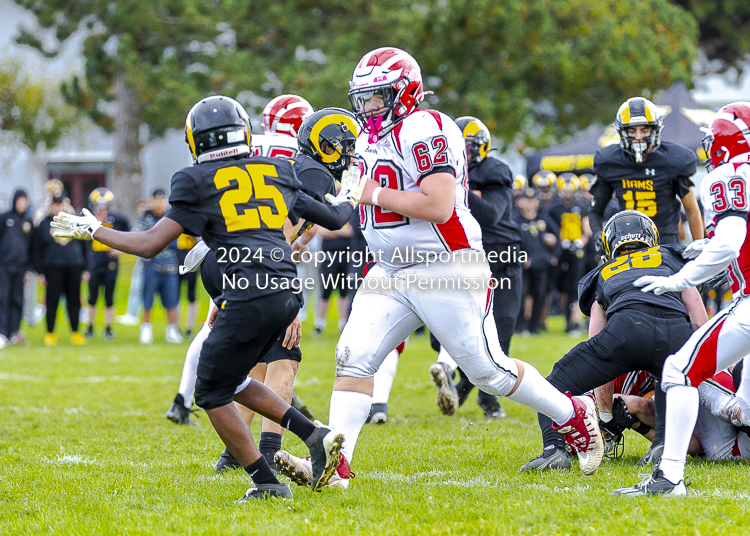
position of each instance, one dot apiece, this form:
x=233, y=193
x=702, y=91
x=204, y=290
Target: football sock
x=383, y=379
x=261, y=472
x=660, y=411
x=269, y=444
x=349, y=411
x=682, y=406
x=298, y=424
x=552, y=439
x=743, y=393
x=538, y=394
x=190, y=367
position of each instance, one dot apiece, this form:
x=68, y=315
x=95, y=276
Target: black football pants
x=67, y=281
x=11, y=301
x=632, y=340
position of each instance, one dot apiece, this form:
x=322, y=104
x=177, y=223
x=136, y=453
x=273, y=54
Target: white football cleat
x=299, y=470
x=582, y=432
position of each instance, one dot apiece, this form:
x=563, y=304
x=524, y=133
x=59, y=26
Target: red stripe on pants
x=704, y=365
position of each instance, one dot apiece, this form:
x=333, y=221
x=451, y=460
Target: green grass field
x=86, y=450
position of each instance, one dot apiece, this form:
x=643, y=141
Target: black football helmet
x=217, y=127
x=477, y=137
x=626, y=230
x=328, y=136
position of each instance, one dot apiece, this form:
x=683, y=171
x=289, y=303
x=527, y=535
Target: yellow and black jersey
x=651, y=187
x=611, y=284
x=100, y=258
x=569, y=219
x=239, y=207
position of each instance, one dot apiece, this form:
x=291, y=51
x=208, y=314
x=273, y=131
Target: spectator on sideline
x=539, y=237
x=16, y=240
x=184, y=244
x=160, y=274
x=61, y=268
x=103, y=261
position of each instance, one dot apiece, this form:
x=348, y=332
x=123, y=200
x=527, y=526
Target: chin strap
x=373, y=126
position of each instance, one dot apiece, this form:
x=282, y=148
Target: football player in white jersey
x=282, y=119
x=416, y=199
x=725, y=339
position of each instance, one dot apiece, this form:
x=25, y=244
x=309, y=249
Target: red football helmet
x=395, y=76
x=729, y=134
x=285, y=114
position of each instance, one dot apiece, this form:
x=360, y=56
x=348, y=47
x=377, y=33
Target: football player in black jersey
x=630, y=330
x=103, y=261
x=646, y=174
x=326, y=142
x=491, y=203
x=571, y=216
x=238, y=204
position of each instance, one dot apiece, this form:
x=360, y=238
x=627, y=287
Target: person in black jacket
x=16, y=238
x=60, y=265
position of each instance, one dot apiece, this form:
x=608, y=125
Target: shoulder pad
x=605, y=156
x=491, y=172
x=683, y=159
x=587, y=289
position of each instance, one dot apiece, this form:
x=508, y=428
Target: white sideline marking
x=71, y=459
x=125, y=379
x=13, y=377
x=310, y=381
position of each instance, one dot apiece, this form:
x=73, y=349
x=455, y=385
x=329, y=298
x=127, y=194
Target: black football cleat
x=655, y=484
x=551, y=458
x=490, y=406
x=179, y=414
x=652, y=456
x=325, y=450
x=266, y=491
x=226, y=461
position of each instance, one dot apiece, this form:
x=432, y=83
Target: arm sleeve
x=330, y=217
x=483, y=211
x=184, y=199
x=722, y=249
x=682, y=186
x=602, y=192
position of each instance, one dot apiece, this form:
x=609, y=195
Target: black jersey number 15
x=251, y=182
x=645, y=258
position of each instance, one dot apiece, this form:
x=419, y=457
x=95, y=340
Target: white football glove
x=352, y=186
x=72, y=226
x=694, y=248
x=194, y=258
x=659, y=285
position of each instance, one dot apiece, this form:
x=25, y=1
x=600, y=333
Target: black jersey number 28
x=251, y=182
x=645, y=258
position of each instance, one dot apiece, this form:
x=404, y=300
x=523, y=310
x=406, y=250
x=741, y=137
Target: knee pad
x=350, y=364
x=499, y=382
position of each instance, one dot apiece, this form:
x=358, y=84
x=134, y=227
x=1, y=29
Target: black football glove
x=613, y=428
x=621, y=415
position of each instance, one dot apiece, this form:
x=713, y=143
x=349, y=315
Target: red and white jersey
x=726, y=191
x=274, y=145
x=425, y=142
x=636, y=383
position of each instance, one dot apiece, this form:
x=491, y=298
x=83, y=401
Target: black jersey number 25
x=251, y=182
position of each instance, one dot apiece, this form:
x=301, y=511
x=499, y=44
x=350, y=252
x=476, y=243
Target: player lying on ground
x=725, y=339
x=237, y=202
x=416, y=197
x=629, y=330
